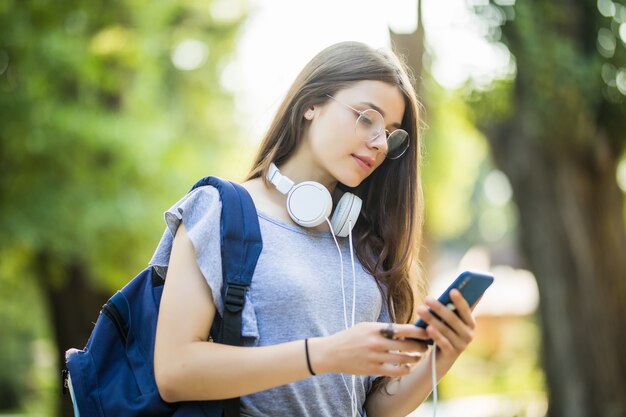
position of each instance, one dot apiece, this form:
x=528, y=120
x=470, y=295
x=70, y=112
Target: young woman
x=325, y=333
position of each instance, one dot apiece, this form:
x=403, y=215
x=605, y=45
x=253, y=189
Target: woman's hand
x=454, y=332
x=369, y=349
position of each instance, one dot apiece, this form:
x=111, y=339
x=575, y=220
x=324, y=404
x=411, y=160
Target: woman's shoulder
x=203, y=197
x=200, y=209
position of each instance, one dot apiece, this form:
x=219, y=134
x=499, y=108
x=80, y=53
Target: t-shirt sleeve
x=200, y=212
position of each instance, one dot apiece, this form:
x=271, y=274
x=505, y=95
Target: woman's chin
x=351, y=180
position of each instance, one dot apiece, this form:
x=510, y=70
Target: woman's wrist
x=308, y=359
x=443, y=363
x=318, y=355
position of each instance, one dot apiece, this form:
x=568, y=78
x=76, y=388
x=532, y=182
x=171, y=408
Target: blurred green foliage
x=569, y=62
x=456, y=168
x=18, y=328
x=100, y=132
x=454, y=152
x=27, y=377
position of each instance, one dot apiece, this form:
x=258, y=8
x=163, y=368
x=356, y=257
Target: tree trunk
x=560, y=147
x=411, y=47
x=573, y=234
x=73, y=306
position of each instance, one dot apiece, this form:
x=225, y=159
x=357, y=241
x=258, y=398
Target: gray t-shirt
x=296, y=292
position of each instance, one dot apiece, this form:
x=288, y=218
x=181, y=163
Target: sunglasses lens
x=397, y=143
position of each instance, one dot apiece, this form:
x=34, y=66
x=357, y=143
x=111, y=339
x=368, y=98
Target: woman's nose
x=379, y=142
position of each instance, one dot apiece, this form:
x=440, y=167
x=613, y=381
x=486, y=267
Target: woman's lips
x=364, y=162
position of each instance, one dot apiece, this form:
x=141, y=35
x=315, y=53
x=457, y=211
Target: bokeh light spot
x=620, y=80
x=606, y=8
x=189, y=54
x=606, y=43
x=110, y=41
x=497, y=188
x=227, y=10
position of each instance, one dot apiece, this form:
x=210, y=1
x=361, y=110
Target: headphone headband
x=282, y=183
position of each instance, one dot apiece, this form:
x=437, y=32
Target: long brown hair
x=388, y=233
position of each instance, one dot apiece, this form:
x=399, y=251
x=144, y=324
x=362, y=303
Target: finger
x=449, y=334
x=381, y=345
x=429, y=316
x=408, y=331
x=395, y=358
x=403, y=357
x=401, y=331
x=405, y=346
x=388, y=331
x=444, y=328
x=412, y=346
x=450, y=317
x=446, y=313
x=463, y=308
x=393, y=370
x=443, y=343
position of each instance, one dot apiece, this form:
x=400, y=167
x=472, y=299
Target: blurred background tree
x=557, y=129
x=108, y=111
x=471, y=224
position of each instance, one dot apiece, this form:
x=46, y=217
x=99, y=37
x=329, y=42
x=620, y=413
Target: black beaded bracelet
x=308, y=360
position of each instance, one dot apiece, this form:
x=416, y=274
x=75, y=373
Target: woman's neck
x=301, y=167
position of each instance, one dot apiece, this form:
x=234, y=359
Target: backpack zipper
x=113, y=315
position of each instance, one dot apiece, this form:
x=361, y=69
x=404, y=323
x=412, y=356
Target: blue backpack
x=114, y=375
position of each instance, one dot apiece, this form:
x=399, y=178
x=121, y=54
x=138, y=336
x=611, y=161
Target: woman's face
x=335, y=145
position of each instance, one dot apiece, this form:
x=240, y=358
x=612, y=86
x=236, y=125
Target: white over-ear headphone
x=309, y=203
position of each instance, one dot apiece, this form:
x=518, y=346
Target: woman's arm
x=405, y=395
x=187, y=367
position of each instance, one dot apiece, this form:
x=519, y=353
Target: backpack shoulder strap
x=241, y=246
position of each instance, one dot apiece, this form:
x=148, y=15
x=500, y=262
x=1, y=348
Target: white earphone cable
x=353, y=271
x=351, y=392
x=343, y=291
x=355, y=407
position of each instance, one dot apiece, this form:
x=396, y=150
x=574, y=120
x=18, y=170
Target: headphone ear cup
x=309, y=203
x=346, y=214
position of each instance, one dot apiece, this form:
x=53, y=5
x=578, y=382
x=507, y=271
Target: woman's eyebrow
x=379, y=110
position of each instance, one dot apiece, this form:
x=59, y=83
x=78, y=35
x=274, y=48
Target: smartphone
x=472, y=286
